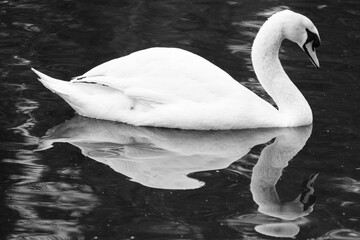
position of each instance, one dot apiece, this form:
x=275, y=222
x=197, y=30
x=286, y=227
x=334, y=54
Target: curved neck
x=293, y=107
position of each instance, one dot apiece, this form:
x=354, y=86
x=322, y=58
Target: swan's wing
x=166, y=71
x=146, y=97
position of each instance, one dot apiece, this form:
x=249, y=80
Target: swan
x=174, y=88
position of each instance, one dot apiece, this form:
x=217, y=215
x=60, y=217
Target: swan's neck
x=293, y=107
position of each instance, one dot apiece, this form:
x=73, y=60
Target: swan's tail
x=74, y=94
x=54, y=85
x=90, y=100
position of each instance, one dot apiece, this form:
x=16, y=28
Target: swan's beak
x=310, y=51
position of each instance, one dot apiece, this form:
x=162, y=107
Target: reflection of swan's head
x=299, y=207
x=299, y=29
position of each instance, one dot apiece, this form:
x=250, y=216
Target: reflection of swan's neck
x=292, y=105
x=268, y=170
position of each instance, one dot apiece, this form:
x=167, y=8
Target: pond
x=68, y=177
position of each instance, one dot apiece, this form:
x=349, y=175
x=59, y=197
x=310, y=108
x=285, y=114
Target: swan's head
x=301, y=30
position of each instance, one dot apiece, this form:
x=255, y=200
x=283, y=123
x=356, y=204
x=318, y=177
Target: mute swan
x=173, y=88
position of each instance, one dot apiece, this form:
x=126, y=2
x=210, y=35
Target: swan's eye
x=314, y=38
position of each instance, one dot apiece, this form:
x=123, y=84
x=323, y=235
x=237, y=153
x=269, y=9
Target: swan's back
x=174, y=72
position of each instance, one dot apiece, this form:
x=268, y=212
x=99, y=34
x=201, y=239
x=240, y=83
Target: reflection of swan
x=170, y=87
x=268, y=170
x=266, y=173
x=159, y=158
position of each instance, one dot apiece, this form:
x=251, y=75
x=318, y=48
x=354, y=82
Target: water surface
x=63, y=176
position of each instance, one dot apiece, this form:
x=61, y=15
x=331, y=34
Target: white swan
x=170, y=87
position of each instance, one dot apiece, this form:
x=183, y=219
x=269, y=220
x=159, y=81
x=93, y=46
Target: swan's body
x=170, y=87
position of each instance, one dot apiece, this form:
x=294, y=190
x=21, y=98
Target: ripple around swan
x=341, y=234
x=346, y=184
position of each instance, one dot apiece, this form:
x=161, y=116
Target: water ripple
x=346, y=184
x=341, y=234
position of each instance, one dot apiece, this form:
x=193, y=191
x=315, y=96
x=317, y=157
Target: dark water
x=93, y=179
